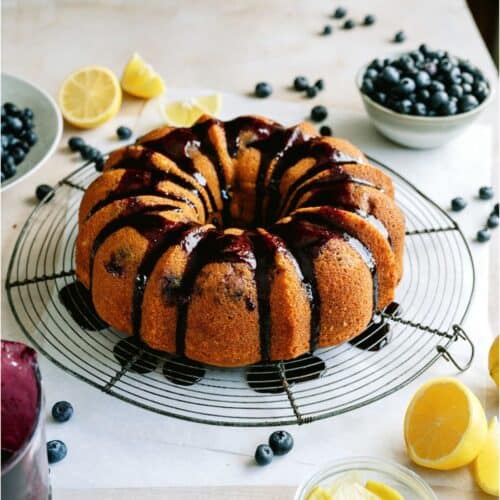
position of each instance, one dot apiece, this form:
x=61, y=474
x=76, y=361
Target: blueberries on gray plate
x=56, y=451
x=458, y=204
x=281, y=442
x=264, y=454
x=263, y=89
x=62, y=411
x=483, y=235
x=486, y=193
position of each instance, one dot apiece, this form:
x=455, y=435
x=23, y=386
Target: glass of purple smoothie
x=25, y=470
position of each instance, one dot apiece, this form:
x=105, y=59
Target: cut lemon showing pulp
x=485, y=467
x=445, y=425
x=90, y=96
x=186, y=113
x=383, y=491
x=140, y=79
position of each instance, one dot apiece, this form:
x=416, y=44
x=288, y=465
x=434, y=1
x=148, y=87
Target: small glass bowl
x=403, y=480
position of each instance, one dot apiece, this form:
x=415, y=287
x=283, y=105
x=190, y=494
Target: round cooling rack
x=400, y=344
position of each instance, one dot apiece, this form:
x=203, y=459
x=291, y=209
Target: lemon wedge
x=90, y=96
x=186, y=113
x=493, y=360
x=140, y=79
x=445, y=425
x=383, y=491
x=485, y=467
x=318, y=493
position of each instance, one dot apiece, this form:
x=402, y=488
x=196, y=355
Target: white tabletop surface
x=120, y=451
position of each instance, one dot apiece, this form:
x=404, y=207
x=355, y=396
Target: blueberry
x=99, y=163
x=325, y=130
x=455, y=91
x=458, y=204
x=496, y=209
x=123, y=133
x=311, y=92
x=369, y=20
x=18, y=154
x=390, y=75
x=300, y=83
x=44, y=192
x=56, y=451
x=320, y=84
x=263, y=89
x=349, y=24
x=431, y=112
x=431, y=68
x=424, y=49
x=486, y=193
x=454, y=76
x=449, y=108
x=436, y=86
x=30, y=137
x=264, y=454
x=438, y=99
x=6, y=141
x=481, y=91
x=9, y=167
x=467, y=78
x=404, y=106
x=467, y=88
x=2, y=176
x=406, y=86
x=76, y=143
x=467, y=103
x=339, y=13
x=377, y=64
x=493, y=221
x=14, y=124
x=327, y=30
x=445, y=65
x=11, y=109
x=86, y=151
x=483, y=235
x=318, y=113
x=25, y=146
x=62, y=411
x=466, y=66
x=422, y=79
x=371, y=73
x=367, y=86
x=379, y=97
x=420, y=109
x=417, y=56
x=399, y=37
x=423, y=95
x=281, y=442
x=28, y=113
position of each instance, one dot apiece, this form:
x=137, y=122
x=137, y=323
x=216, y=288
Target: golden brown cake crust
x=238, y=242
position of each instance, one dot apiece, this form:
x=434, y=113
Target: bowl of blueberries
x=423, y=98
x=31, y=128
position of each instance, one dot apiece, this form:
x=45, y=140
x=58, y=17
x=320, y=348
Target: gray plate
x=48, y=123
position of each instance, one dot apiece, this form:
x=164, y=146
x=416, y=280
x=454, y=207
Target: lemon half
x=186, y=113
x=445, y=425
x=90, y=96
x=140, y=79
x=485, y=467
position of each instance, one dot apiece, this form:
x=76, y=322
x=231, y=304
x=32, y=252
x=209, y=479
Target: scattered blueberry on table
x=325, y=130
x=311, y=92
x=281, y=442
x=18, y=137
x=56, y=451
x=339, y=13
x=496, y=209
x=318, y=113
x=458, y=204
x=369, y=20
x=327, y=30
x=486, y=193
x=264, y=454
x=349, y=24
x=123, y=133
x=483, y=235
x=493, y=221
x=400, y=37
x=62, y=411
x=44, y=192
x=425, y=82
x=76, y=143
x=263, y=89
x=300, y=83
x=319, y=84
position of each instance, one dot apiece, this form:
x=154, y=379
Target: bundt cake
x=239, y=242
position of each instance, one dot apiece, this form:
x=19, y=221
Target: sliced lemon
x=485, y=467
x=352, y=491
x=493, y=360
x=140, y=79
x=318, y=493
x=90, y=96
x=211, y=104
x=383, y=491
x=186, y=113
x=445, y=425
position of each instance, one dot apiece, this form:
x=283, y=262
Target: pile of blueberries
x=425, y=82
x=280, y=443
x=62, y=411
x=18, y=137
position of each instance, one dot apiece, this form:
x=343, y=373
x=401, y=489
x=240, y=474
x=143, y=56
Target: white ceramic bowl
x=403, y=480
x=418, y=132
x=48, y=123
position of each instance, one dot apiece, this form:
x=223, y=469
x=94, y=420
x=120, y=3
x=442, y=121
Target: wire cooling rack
x=400, y=344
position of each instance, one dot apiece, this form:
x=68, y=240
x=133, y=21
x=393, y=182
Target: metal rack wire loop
x=398, y=346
